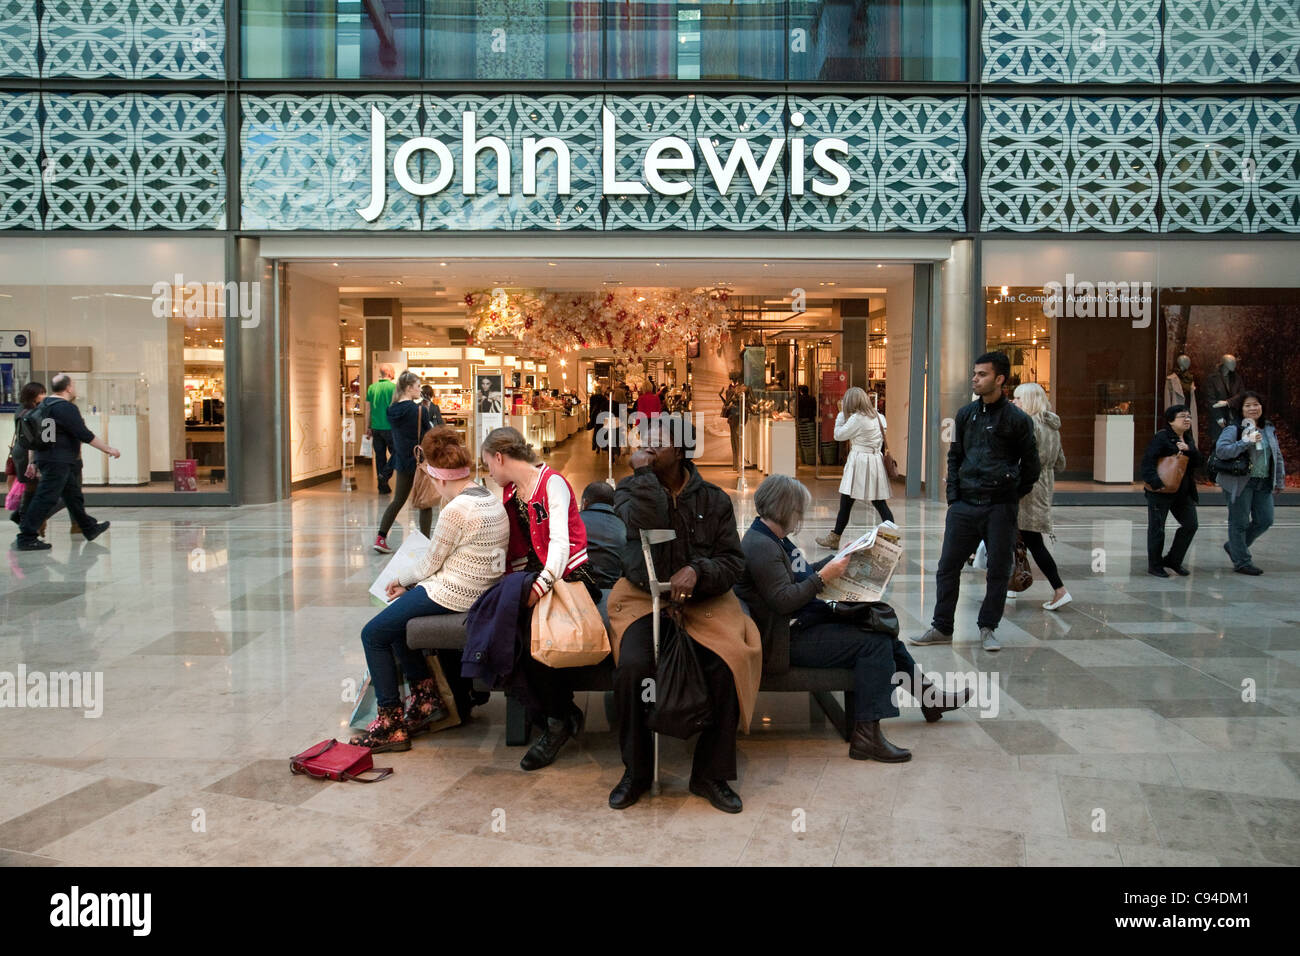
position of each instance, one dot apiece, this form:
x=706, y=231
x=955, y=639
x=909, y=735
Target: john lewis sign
x=664, y=167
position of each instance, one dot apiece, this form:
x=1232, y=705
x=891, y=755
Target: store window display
x=1223, y=385
x=1180, y=389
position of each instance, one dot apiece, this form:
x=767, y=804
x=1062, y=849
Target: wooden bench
x=447, y=632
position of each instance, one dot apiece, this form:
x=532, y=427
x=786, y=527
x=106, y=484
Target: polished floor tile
x=227, y=640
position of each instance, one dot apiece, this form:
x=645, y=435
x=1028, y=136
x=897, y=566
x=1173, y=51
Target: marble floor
x=1148, y=723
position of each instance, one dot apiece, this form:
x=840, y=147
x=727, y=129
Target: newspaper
x=872, y=560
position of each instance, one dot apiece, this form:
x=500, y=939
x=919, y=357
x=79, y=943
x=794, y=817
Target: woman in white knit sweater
x=465, y=558
x=865, y=478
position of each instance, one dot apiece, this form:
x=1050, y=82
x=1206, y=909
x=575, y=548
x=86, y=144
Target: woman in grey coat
x=1035, y=518
x=1250, y=496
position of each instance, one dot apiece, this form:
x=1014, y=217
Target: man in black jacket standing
x=992, y=464
x=1171, y=440
x=59, y=462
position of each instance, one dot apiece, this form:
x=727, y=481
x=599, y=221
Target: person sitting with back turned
x=606, y=533
x=702, y=563
x=780, y=589
x=464, y=559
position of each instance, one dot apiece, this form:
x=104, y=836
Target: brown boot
x=424, y=708
x=869, y=743
x=386, y=733
x=831, y=541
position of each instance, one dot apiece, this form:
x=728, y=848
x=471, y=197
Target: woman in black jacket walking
x=409, y=420
x=1170, y=440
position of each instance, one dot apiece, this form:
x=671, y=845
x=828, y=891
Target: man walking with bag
x=59, y=433
x=992, y=464
x=379, y=396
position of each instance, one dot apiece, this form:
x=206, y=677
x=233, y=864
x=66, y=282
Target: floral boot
x=387, y=732
x=424, y=708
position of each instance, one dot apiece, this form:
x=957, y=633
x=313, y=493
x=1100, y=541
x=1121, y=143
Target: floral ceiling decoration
x=634, y=322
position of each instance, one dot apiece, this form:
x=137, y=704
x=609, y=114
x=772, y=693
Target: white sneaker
x=932, y=636
x=1012, y=595
x=1053, y=605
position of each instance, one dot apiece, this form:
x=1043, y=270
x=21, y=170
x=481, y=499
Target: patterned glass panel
x=134, y=161
x=1070, y=41
x=1069, y=164
x=1232, y=165
x=134, y=39
x=907, y=164
x=18, y=36
x=1242, y=41
x=20, y=149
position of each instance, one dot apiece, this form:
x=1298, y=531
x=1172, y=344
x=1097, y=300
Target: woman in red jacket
x=547, y=537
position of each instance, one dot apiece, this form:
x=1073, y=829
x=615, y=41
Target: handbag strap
x=382, y=771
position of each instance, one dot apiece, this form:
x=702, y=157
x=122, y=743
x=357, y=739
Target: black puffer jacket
x=993, y=457
x=705, y=524
x=1163, y=444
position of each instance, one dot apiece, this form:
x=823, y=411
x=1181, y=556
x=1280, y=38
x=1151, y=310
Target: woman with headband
x=465, y=558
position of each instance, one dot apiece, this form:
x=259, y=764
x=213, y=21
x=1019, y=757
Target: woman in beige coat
x=865, y=478
x=1035, y=519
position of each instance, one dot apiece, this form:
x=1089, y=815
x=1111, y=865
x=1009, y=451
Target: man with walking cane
x=700, y=563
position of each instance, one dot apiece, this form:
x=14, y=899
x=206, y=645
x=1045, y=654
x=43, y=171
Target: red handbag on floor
x=336, y=761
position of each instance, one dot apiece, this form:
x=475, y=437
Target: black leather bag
x=869, y=615
x=681, y=706
x=1228, y=466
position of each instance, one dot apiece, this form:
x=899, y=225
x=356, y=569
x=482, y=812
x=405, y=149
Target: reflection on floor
x=1150, y=722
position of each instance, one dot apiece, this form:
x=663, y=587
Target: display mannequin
x=1180, y=389
x=1220, y=388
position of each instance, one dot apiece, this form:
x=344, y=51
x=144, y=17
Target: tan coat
x=1036, y=507
x=718, y=623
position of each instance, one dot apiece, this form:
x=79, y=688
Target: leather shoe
x=717, y=793
x=1178, y=569
x=543, y=753
x=952, y=700
x=628, y=791
x=1158, y=572
x=1248, y=569
x=36, y=545
x=91, y=534
x=869, y=743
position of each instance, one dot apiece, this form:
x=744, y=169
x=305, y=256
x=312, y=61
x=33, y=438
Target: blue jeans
x=384, y=641
x=874, y=659
x=1248, y=518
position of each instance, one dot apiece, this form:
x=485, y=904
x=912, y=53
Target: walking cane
x=657, y=589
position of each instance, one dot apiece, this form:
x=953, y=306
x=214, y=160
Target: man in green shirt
x=379, y=396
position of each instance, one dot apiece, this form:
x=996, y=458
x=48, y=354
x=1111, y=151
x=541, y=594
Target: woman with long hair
x=865, y=478
x=20, y=456
x=548, y=539
x=463, y=561
x=409, y=420
x=1250, y=496
x=1035, y=516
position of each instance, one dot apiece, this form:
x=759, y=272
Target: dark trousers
x=964, y=528
x=1042, y=557
x=715, y=751
x=60, y=480
x=1248, y=518
x=1160, y=507
x=382, y=439
x=402, y=491
x=384, y=641
x=874, y=658
x=846, y=509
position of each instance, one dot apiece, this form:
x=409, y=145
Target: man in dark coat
x=1171, y=440
x=992, y=464
x=597, y=405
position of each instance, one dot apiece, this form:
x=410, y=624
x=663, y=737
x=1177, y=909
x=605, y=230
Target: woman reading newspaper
x=781, y=590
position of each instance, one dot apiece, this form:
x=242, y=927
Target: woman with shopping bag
x=409, y=422
x=548, y=540
x=463, y=561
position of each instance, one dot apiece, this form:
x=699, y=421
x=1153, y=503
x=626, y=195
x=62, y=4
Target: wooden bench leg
x=518, y=729
x=837, y=714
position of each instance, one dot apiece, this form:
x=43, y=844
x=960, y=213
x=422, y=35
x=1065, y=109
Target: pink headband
x=448, y=474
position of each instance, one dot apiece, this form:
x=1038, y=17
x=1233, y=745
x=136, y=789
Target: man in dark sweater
x=992, y=464
x=606, y=533
x=63, y=431
x=1169, y=441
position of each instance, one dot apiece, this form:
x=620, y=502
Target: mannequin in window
x=1180, y=389
x=1221, y=387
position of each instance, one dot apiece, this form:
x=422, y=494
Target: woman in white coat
x=865, y=478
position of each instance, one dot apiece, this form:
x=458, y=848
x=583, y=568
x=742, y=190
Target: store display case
x=776, y=436
x=120, y=402
x=1112, y=433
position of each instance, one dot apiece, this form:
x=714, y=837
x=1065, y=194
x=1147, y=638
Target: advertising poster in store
x=15, y=367
x=488, y=406
x=835, y=383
